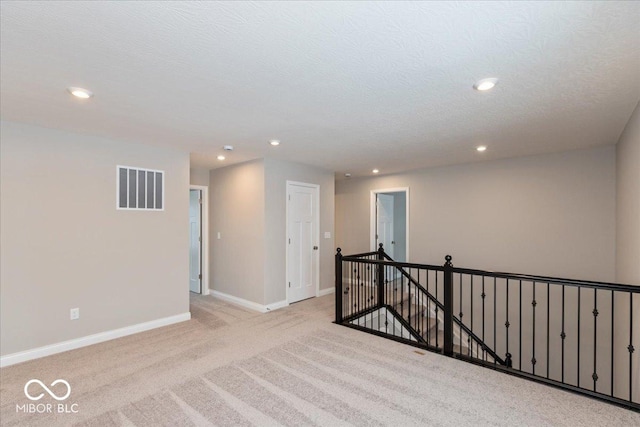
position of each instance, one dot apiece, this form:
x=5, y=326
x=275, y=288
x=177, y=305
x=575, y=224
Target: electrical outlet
x=74, y=314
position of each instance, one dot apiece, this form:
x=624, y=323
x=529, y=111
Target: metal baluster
x=595, y=338
x=418, y=320
x=437, y=309
x=484, y=353
x=428, y=311
x=351, y=291
x=339, y=286
x=563, y=335
x=402, y=313
x=413, y=300
x=359, y=278
x=578, y=364
x=630, y=348
x=495, y=318
x=520, y=328
x=461, y=314
x=471, y=299
x=548, y=306
x=372, y=291
x=612, y=344
x=506, y=325
x=533, y=304
x=376, y=293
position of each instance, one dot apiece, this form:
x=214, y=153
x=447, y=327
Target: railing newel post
x=448, y=307
x=339, y=286
x=381, y=278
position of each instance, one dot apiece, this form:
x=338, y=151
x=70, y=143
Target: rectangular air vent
x=139, y=189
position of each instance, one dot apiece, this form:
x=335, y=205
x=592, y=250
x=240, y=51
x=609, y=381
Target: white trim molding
x=373, y=217
x=326, y=291
x=249, y=304
x=48, y=350
x=204, y=221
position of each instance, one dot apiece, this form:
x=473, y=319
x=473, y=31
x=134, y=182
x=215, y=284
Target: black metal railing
x=574, y=334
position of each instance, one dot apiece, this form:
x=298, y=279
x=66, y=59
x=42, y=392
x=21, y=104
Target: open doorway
x=198, y=232
x=390, y=222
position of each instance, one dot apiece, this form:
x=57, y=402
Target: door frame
x=204, y=229
x=373, y=216
x=316, y=233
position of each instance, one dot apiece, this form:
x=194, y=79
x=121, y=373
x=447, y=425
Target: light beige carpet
x=233, y=367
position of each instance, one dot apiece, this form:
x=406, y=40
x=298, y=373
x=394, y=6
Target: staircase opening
x=574, y=334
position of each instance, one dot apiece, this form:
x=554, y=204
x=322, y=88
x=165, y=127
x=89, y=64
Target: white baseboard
x=249, y=304
x=327, y=291
x=48, y=350
x=277, y=305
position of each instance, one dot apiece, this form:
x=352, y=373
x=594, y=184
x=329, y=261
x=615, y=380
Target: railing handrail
x=362, y=254
x=515, y=276
x=550, y=279
x=393, y=263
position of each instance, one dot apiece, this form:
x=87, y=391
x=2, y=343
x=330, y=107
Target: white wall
x=64, y=244
x=628, y=236
x=236, y=211
x=277, y=173
x=199, y=176
x=551, y=214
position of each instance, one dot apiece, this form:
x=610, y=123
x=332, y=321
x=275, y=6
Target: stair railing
x=574, y=334
x=448, y=301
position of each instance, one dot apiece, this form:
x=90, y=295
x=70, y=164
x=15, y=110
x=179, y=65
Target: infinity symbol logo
x=52, y=394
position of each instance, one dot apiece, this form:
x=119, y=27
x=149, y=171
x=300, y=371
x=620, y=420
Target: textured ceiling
x=345, y=85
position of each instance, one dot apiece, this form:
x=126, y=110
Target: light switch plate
x=327, y=234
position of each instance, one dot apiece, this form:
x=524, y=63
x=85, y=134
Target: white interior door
x=302, y=241
x=384, y=225
x=195, y=242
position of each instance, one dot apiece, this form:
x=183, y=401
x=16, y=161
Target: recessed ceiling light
x=485, y=84
x=347, y=175
x=274, y=142
x=481, y=148
x=78, y=92
x=375, y=171
x=221, y=157
x=228, y=148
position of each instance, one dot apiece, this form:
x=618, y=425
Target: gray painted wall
x=552, y=214
x=236, y=211
x=628, y=234
x=64, y=244
x=248, y=207
x=199, y=176
x=628, y=212
x=277, y=173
